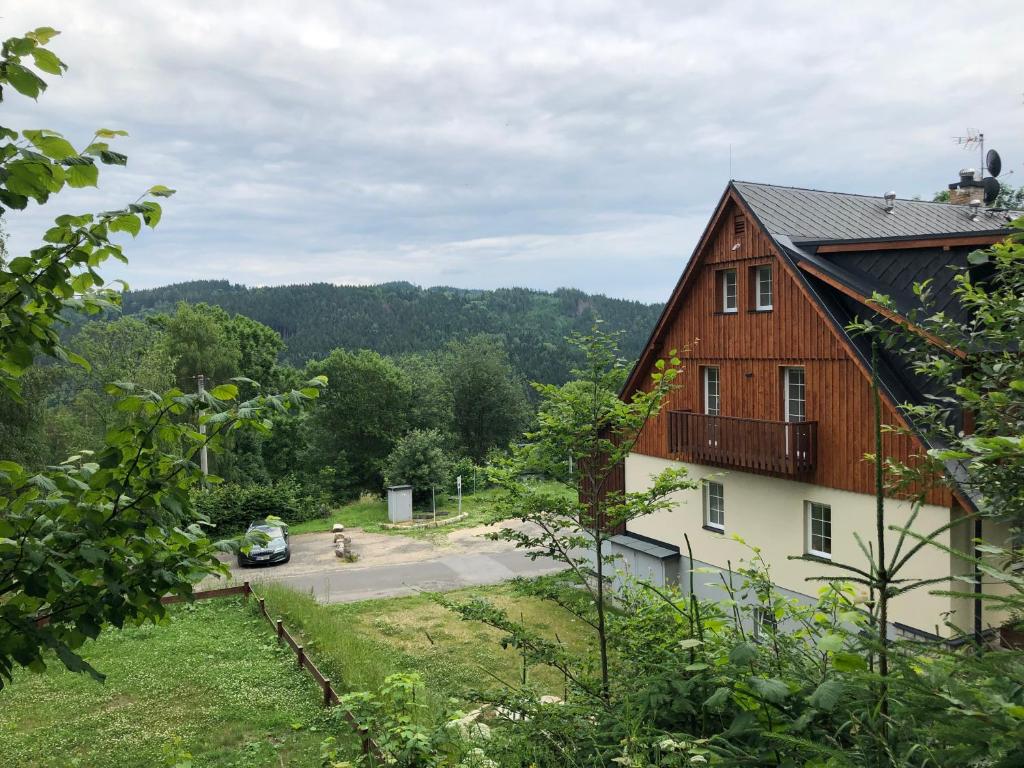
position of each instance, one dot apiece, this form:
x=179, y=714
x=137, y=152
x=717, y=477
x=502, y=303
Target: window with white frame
x=763, y=280
x=714, y=505
x=819, y=529
x=712, y=392
x=729, y=296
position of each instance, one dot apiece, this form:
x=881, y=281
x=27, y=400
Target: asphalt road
x=392, y=566
x=437, y=575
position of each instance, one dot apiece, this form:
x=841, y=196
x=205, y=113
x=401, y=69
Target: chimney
x=967, y=190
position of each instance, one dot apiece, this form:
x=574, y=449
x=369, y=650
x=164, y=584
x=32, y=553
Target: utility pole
x=201, y=381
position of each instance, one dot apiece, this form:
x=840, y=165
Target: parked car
x=275, y=550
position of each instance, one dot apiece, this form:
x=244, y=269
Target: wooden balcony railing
x=777, y=447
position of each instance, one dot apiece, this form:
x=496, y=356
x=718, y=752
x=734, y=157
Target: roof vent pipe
x=890, y=202
x=975, y=207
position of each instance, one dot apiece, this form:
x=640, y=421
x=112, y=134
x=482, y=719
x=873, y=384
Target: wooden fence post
x=263, y=607
x=327, y=692
x=248, y=591
x=301, y=655
x=280, y=630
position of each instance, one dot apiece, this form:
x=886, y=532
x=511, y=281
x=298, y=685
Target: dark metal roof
x=659, y=549
x=811, y=215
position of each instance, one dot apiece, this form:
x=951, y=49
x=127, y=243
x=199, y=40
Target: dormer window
x=763, y=287
x=727, y=291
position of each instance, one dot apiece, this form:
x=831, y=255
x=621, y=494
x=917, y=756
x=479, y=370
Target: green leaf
x=113, y=158
x=160, y=190
x=151, y=213
x=827, y=695
x=82, y=176
x=24, y=80
x=48, y=61
x=690, y=642
x=770, y=689
x=13, y=200
x=107, y=133
x=21, y=265
x=224, y=392
x=831, y=642
x=51, y=144
x=127, y=223
x=42, y=35
x=743, y=653
x=718, y=699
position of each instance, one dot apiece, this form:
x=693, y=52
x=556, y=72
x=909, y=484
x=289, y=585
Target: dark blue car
x=274, y=550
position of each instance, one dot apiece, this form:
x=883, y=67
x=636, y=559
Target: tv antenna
x=971, y=140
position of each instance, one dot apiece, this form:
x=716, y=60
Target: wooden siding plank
x=760, y=343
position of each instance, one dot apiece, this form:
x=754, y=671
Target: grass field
x=359, y=644
x=208, y=687
x=371, y=512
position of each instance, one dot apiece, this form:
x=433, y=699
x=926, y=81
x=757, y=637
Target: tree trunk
x=882, y=575
x=602, y=635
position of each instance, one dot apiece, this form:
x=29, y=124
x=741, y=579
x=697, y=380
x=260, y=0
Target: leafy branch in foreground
x=586, y=421
x=100, y=538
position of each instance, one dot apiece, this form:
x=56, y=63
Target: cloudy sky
x=539, y=144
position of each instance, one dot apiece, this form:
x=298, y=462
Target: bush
x=466, y=468
x=231, y=507
x=419, y=460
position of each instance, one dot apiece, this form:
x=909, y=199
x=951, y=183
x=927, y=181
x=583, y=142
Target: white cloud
x=522, y=143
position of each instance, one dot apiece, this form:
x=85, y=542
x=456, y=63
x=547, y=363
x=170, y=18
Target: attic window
x=739, y=226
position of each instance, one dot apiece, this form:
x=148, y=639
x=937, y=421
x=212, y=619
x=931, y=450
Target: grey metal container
x=399, y=503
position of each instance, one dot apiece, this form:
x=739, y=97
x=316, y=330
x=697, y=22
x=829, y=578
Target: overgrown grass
x=359, y=644
x=371, y=512
x=210, y=682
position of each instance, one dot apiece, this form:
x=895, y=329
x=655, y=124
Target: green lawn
x=370, y=513
x=359, y=644
x=209, y=682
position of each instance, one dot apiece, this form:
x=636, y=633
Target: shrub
x=419, y=460
x=231, y=507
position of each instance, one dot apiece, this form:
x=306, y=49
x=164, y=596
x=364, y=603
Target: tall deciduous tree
x=357, y=422
x=199, y=340
x=488, y=397
x=587, y=420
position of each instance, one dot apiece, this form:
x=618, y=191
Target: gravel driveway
x=393, y=565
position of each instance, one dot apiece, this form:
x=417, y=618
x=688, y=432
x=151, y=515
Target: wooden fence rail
x=330, y=696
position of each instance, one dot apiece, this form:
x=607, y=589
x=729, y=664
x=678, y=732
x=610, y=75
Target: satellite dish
x=991, y=185
x=993, y=163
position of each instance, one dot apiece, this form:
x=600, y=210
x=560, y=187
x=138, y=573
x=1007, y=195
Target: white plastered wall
x=768, y=512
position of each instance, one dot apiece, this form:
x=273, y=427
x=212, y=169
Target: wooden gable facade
x=751, y=349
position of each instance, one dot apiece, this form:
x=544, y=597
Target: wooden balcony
x=774, y=447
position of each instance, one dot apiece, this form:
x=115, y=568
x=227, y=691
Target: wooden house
x=775, y=411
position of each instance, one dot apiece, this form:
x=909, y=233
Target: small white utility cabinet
x=399, y=503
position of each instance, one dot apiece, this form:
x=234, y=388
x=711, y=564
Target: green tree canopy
x=420, y=460
x=488, y=398
x=360, y=418
x=199, y=341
